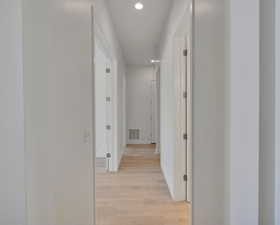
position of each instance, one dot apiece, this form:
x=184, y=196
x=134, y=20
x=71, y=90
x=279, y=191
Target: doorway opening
x=143, y=114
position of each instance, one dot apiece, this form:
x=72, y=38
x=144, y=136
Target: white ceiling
x=139, y=32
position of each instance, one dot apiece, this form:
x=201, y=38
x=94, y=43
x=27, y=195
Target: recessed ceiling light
x=155, y=61
x=139, y=6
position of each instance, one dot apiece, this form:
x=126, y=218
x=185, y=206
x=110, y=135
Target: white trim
x=93, y=109
x=115, y=160
x=277, y=112
x=189, y=119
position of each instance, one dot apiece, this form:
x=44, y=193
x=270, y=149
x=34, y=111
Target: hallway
x=137, y=194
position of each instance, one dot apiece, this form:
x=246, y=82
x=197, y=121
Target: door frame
x=93, y=138
x=189, y=117
x=277, y=112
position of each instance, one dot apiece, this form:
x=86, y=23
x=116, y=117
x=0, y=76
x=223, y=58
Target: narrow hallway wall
x=138, y=98
x=171, y=158
x=243, y=112
x=209, y=112
x=267, y=114
x=12, y=188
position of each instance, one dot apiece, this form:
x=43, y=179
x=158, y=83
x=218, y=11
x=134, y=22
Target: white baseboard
x=121, y=156
x=138, y=142
x=170, y=189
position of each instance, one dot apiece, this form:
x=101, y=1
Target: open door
x=109, y=115
x=105, y=104
x=154, y=109
x=188, y=104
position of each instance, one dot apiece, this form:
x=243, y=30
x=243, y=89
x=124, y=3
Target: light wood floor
x=137, y=194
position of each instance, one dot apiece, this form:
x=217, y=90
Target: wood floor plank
x=137, y=194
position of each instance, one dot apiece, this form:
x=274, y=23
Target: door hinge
x=185, y=136
x=185, y=52
x=185, y=94
x=108, y=155
x=108, y=99
x=108, y=70
x=185, y=177
x=108, y=127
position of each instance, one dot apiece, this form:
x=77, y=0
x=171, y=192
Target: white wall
x=277, y=112
x=209, y=72
x=139, y=95
x=58, y=112
x=267, y=113
x=167, y=119
x=244, y=104
x=12, y=188
x=172, y=158
x=105, y=23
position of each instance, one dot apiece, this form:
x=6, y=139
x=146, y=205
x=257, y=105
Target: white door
x=188, y=120
x=100, y=101
x=103, y=105
x=109, y=115
x=154, y=106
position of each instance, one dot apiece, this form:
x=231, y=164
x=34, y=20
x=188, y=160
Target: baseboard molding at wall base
x=120, y=158
x=168, y=185
x=172, y=191
x=138, y=142
x=157, y=151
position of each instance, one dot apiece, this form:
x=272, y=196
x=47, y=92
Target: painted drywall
x=176, y=14
x=244, y=104
x=58, y=112
x=172, y=158
x=138, y=98
x=267, y=113
x=142, y=41
x=12, y=188
x=209, y=74
x=167, y=122
x=105, y=23
x=277, y=112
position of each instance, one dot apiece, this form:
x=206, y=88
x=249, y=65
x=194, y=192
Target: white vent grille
x=134, y=134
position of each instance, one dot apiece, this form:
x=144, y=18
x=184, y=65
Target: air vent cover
x=134, y=134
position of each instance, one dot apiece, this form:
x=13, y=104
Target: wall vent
x=134, y=134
